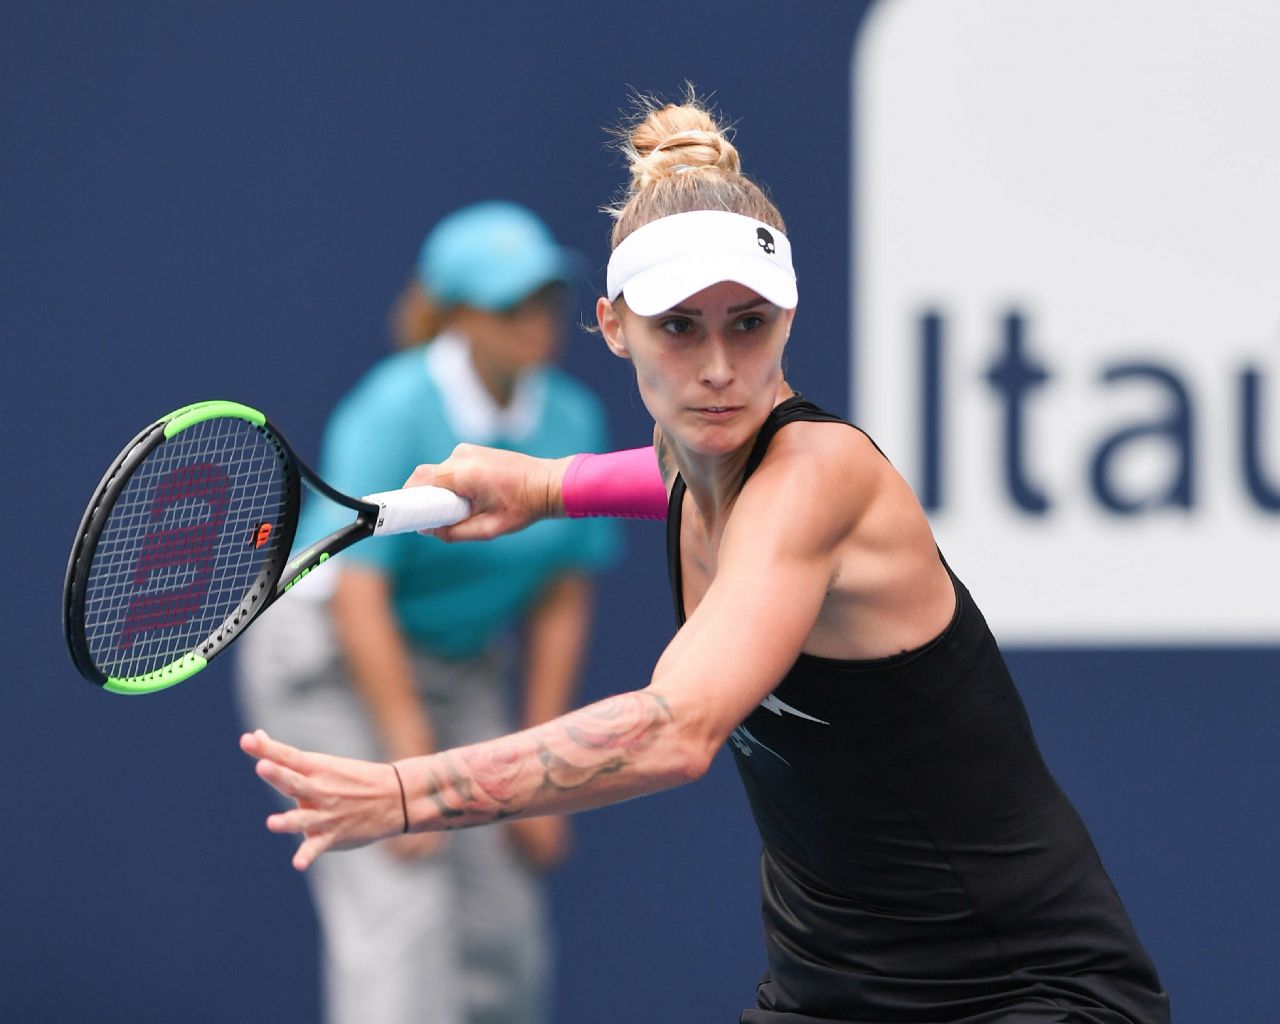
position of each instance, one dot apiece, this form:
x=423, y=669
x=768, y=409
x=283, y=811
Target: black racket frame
x=276, y=577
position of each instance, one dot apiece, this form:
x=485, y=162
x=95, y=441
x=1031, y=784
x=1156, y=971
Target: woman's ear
x=611, y=328
x=791, y=316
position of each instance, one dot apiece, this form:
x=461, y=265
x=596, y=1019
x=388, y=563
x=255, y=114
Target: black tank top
x=920, y=863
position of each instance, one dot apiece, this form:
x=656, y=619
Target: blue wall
x=221, y=202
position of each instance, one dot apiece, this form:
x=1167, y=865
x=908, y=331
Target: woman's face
x=515, y=339
x=709, y=368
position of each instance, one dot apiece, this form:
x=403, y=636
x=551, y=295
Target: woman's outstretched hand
x=507, y=490
x=341, y=803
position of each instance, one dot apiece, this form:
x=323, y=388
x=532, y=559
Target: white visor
x=661, y=264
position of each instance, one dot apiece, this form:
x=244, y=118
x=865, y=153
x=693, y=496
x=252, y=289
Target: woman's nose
x=717, y=365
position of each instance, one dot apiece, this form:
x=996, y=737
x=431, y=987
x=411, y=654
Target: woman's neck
x=713, y=481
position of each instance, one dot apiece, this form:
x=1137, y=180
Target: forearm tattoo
x=500, y=778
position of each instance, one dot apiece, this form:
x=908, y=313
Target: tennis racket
x=187, y=541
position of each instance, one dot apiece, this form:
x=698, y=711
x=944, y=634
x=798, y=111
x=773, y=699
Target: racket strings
x=186, y=540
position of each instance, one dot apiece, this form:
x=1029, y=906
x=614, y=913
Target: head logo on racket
x=161, y=578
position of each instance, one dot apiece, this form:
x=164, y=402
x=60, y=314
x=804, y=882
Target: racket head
x=181, y=546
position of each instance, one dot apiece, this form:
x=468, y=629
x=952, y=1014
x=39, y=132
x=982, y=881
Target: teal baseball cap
x=492, y=255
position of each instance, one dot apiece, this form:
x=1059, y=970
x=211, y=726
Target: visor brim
x=670, y=283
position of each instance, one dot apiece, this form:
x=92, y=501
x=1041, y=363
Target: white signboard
x=1066, y=305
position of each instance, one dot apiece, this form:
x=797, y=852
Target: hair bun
x=673, y=139
x=664, y=141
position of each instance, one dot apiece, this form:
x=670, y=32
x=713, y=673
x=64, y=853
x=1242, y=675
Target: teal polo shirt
x=456, y=599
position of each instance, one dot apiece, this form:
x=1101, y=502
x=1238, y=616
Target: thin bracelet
x=404, y=804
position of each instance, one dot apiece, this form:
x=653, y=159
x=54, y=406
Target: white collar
x=471, y=411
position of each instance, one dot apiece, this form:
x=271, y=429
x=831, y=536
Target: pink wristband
x=621, y=484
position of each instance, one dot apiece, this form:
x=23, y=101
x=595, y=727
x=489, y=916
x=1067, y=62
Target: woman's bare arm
x=783, y=538
x=610, y=751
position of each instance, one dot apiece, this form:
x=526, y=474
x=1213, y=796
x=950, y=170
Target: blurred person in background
x=405, y=646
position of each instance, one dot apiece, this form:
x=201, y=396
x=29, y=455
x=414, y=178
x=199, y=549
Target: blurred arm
x=378, y=661
x=556, y=640
x=556, y=634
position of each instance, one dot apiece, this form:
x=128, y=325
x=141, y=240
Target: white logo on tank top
x=745, y=741
x=779, y=708
x=746, y=744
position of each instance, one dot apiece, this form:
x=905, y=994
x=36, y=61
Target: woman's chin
x=714, y=440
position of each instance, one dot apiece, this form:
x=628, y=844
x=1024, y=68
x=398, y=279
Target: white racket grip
x=416, y=508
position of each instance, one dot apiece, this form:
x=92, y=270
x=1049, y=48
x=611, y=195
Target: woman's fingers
x=279, y=764
x=285, y=780
x=313, y=843
x=341, y=802
x=308, y=852
x=428, y=475
x=307, y=821
x=259, y=744
x=507, y=490
x=480, y=526
x=287, y=821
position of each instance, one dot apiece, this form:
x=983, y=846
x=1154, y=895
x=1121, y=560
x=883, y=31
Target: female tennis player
x=919, y=862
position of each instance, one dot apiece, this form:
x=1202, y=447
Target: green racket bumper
x=189, y=415
x=160, y=679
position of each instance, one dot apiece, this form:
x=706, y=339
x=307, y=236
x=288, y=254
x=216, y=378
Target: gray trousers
x=461, y=938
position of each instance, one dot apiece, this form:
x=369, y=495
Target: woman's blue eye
x=676, y=325
x=750, y=323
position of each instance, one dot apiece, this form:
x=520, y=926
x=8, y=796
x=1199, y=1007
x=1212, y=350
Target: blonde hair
x=681, y=159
